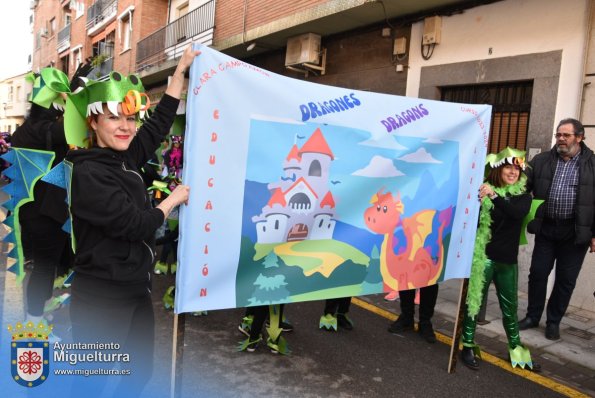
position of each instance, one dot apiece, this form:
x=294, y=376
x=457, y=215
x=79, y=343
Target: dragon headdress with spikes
x=506, y=156
x=116, y=89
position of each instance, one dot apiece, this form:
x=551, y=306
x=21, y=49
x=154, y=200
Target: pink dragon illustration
x=413, y=267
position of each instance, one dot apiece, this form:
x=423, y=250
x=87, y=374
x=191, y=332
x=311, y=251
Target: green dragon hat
x=116, y=89
x=506, y=156
x=47, y=87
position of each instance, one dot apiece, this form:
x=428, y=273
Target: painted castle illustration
x=301, y=205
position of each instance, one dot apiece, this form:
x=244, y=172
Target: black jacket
x=540, y=174
x=114, y=223
x=507, y=218
x=45, y=131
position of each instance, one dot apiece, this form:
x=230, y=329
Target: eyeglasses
x=565, y=135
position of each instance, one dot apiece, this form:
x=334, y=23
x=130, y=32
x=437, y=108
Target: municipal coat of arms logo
x=30, y=353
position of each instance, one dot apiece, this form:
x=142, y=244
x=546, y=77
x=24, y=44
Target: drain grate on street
x=583, y=334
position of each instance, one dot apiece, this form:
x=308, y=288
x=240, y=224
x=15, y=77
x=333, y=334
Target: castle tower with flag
x=301, y=205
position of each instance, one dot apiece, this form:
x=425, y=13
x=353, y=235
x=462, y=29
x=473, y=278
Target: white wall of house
x=180, y=7
x=518, y=27
x=14, y=105
x=509, y=28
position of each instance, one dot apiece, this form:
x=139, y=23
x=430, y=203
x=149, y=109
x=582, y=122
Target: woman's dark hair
x=494, y=177
x=92, y=135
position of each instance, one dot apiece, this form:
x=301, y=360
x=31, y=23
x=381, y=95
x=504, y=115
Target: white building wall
x=510, y=28
x=13, y=110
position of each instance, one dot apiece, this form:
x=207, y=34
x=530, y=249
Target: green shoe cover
x=168, y=297
x=244, y=344
x=160, y=268
x=247, y=322
x=59, y=281
x=520, y=356
x=328, y=322
x=273, y=330
x=280, y=346
x=55, y=303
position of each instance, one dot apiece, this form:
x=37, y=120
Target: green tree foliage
x=269, y=289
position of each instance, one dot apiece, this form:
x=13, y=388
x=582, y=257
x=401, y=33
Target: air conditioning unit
x=432, y=30
x=303, y=49
x=43, y=32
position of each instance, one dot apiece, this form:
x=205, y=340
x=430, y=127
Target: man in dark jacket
x=564, y=227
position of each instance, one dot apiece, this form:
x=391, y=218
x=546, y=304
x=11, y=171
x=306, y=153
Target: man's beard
x=568, y=150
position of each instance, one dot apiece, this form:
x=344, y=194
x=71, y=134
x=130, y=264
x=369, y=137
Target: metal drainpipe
x=168, y=12
x=244, y=21
x=588, y=39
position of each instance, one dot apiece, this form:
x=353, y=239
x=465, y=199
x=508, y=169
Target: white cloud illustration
x=419, y=156
x=387, y=142
x=379, y=167
x=434, y=141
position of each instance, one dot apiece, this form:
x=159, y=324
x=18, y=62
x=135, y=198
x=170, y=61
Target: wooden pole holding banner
x=177, y=355
x=458, y=328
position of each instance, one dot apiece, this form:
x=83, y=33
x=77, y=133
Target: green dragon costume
x=484, y=270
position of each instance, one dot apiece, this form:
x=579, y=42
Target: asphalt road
x=365, y=362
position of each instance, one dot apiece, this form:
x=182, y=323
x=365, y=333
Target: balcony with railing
x=100, y=13
x=63, y=39
x=169, y=42
x=102, y=68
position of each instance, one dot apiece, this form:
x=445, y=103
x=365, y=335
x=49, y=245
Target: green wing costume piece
x=47, y=87
x=528, y=218
x=61, y=175
x=27, y=166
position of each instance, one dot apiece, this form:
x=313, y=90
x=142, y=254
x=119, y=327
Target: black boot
x=468, y=357
x=402, y=324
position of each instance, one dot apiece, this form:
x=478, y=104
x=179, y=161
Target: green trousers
x=505, y=277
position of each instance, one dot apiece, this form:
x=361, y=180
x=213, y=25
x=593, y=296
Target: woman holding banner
x=504, y=204
x=114, y=224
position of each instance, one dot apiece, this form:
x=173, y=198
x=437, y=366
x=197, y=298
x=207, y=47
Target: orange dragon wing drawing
x=416, y=229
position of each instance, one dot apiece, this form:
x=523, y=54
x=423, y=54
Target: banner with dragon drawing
x=301, y=191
